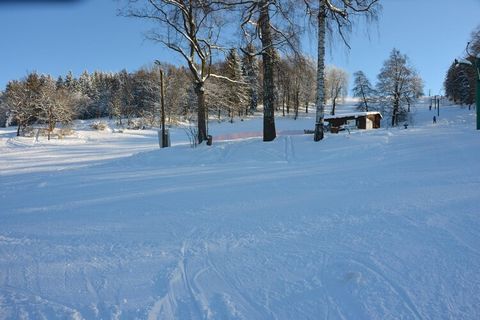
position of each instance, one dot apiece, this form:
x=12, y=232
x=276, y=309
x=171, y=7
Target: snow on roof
x=351, y=114
x=464, y=61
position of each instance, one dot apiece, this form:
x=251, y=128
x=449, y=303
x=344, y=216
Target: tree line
x=41, y=100
x=126, y=97
x=271, y=71
x=398, y=87
x=196, y=31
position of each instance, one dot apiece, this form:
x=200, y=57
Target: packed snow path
x=381, y=224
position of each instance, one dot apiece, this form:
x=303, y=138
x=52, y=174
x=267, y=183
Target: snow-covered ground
x=379, y=224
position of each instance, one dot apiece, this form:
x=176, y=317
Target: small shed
x=361, y=120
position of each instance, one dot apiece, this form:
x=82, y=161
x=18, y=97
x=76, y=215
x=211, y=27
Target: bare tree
x=53, y=105
x=16, y=99
x=337, y=15
x=269, y=131
x=21, y=98
x=38, y=100
x=297, y=77
x=283, y=87
x=307, y=74
x=336, y=83
x=397, y=83
x=192, y=29
x=362, y=89
x=475, y=41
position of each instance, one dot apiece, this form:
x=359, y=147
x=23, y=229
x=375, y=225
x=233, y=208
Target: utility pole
x=477, y=66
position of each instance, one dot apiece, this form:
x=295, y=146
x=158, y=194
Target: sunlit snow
x=378, y=224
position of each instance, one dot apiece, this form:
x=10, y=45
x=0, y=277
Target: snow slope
x=381, y=224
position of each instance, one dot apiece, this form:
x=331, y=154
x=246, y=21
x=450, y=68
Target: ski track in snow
x=369, y=225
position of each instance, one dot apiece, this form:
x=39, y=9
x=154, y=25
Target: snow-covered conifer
x=236, y=89
x=251, y=72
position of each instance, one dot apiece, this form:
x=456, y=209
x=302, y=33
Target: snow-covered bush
x=136, y=124
x=99, y=125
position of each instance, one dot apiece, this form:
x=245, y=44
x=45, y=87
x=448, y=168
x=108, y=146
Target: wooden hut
x=361, y=120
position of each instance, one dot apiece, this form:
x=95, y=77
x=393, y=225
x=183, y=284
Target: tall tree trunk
x=202, y=123
x=319, y=101
x=288, y=100
x=297, y=103
x=395, y=112
x=334, y=104
x=364, y=100
x=254, y=101
x=269, y=132
x=162, y=107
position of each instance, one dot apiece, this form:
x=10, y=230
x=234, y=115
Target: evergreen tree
x=102, y=92
x=3, y=110
x=459, y=84
x=236, y=90
x=177, y=84
x=250, y=72
x=60, y=82
x=115, y=103
x=85, y=87
x=70, y=82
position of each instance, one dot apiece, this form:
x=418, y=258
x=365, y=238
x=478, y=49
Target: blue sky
x=88, y=35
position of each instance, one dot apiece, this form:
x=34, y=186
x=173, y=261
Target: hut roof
x=352, y=115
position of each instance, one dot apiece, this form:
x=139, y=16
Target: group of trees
x=194, y=30
x=270, y=66
x=295, y=84
x=398, y=87
x=124, y=96
x=460, y=81
x=38, y=98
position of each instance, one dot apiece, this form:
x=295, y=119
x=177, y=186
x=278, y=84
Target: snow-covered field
x=381, y=224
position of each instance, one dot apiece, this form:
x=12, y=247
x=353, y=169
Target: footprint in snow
x=354, y=277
